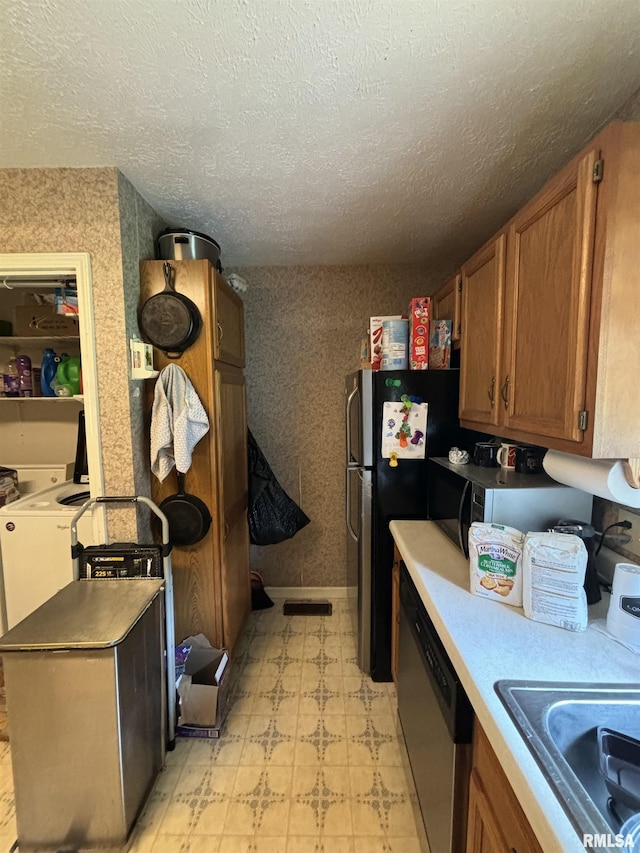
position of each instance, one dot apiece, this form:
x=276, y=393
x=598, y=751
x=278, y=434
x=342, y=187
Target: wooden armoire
x=212, y=588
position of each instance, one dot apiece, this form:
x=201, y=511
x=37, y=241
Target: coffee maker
x=587, y=533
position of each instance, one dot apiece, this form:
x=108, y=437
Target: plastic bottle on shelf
x=67, y=382
x=11, y=378
x=48, y=371
x=25, y=382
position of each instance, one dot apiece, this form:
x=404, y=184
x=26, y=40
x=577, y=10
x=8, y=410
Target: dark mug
x=486, y=455
x=529, y=459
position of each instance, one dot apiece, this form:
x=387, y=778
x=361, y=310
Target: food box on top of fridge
x=419, y=315
x=375, y=338
x=440, y=344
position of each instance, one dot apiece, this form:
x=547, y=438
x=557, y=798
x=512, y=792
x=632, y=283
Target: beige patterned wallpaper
x=95, y=211
x=303, y=330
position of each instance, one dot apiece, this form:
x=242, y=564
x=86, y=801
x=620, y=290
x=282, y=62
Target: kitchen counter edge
x=488, y=641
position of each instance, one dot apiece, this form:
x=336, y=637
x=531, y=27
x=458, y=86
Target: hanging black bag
x=273, y=515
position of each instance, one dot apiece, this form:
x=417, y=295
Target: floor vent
x=306, y=607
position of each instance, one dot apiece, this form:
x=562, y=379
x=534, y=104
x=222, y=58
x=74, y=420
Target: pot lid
x=170, y=231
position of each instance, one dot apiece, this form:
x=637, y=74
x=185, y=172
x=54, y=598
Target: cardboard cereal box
x=419, y=314
x=440, y=344
x=375, y=338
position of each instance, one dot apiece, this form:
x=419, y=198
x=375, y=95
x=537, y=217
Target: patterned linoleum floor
x=309, y=758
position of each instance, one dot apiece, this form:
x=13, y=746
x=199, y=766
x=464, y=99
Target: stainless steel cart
x=77, y=551
x=84, y=679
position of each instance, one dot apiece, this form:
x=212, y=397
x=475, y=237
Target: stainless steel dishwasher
x=437, y=724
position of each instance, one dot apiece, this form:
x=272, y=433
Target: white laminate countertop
x=488, y=641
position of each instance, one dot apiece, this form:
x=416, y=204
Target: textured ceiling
x=317, y=131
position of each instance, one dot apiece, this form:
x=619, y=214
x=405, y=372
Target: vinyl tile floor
x=309, y=758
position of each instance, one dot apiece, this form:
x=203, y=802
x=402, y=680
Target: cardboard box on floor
x=203, y=689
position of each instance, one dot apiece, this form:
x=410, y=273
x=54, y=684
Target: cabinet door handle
x=504, y=392
x=491, y=390
x=220, y=333
x=226, y=531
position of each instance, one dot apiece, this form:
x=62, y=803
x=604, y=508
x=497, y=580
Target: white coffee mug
x=507, y=455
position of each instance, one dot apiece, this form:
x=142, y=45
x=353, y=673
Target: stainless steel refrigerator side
x=359, y=418
x=364, y=571
x=358, y=499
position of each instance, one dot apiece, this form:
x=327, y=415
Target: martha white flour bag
x=495, y=562
x=554, y=565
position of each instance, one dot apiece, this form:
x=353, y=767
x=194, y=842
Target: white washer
x=35, y=548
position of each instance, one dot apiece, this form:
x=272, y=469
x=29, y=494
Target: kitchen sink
x=558, y=722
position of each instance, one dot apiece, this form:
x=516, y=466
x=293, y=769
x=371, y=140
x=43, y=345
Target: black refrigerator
x=377, y=493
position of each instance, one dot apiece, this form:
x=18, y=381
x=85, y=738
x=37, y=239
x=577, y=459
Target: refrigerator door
x=359, y=503
x=359, y=418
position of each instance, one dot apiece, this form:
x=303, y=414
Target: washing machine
x=35, y=547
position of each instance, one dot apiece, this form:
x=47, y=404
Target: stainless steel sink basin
x=558, y=722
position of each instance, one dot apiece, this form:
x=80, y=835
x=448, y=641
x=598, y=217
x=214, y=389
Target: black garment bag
x=273, y=515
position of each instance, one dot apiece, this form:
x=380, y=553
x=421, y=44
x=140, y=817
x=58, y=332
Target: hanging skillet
x=188, y=516
x=170, y=320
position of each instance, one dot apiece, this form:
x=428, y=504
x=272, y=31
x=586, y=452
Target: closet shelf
x=78, y=398
x=36, y=340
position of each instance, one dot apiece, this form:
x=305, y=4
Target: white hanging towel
x=178, y=422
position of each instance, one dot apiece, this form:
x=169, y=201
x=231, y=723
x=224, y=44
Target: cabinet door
x=232, y=485
x=483, y=830
x=445, y=305
x=547, y=305
x=482, y=308
x=228, y=323
x=496, y=823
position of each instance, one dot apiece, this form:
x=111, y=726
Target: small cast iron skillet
x=188, y=516
x=170, y=320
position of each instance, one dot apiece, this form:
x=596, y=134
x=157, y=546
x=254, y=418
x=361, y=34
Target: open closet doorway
x=37, y=426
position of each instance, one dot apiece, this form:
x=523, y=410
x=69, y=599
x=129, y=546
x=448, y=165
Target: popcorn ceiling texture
x=314, y=132
x=303, y=331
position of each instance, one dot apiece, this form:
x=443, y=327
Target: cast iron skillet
x=188, y=516
x=170, y=320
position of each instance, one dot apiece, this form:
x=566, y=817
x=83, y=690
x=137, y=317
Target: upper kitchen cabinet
x=228, y=319
x=547, y=303
x=445, y=305
x=569, y=328
x=481, y=344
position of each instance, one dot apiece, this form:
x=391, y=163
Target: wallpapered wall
x=95, y=211
x=303, y=332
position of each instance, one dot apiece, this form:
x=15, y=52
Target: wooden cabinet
x=395, y=613
x=546, y=326
x=445, y=305
x=496, y=821
x=228, y=318
x=567, y=326
x=481, y=346
x=212, y=589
